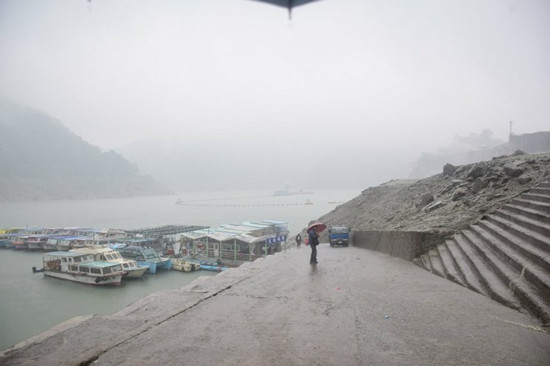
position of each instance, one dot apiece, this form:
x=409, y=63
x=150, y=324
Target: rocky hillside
x=444, y=203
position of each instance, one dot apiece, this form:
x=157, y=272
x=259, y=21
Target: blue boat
x=146, y=256
x=213, y=268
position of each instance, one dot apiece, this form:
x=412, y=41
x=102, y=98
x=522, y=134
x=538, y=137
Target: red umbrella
x=317, y=226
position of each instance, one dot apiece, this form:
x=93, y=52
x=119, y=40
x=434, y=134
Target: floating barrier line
x=243, y=205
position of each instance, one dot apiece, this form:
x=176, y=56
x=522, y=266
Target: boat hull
x=165, y=263
x=184, y=265
x=213, y=268
x=114, y=280
x=152, y=266
x=136, y=272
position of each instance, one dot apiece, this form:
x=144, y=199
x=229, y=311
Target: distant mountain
x=40, y=159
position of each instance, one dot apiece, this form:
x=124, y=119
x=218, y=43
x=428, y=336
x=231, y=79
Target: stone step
x=449, y=265
x=418, y=262
x=543, y=191
x=530, y=236
x=536, y=197
x=527, y=212
x=526, y=222
x=493, y=283
x=436, y=264
x=495, y=272
x=424, y=258
x=518, y=245
x=468, y=271
x=544, y=184
x=533, y=205
x=535, y=274
x=527, y=295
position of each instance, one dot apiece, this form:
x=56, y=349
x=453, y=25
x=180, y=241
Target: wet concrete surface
x=356, y=307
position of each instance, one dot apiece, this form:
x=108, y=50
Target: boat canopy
x=64, y=254
x=248, y=232
x=100, y=264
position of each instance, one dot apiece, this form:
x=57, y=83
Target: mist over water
x=197, y=208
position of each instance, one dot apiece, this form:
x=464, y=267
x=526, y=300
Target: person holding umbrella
x=313, y=234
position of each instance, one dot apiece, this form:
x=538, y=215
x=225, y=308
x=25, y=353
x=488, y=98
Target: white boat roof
x=226, y=232
x=65, y=254
x=99, y=264
x=93, y=250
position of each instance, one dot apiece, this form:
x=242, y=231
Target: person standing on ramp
x=313, y=242
x=313, y=237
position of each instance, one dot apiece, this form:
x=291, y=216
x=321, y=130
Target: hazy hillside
x=234, y=162
x=42, y=159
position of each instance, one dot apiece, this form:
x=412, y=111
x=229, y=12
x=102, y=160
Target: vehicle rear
x=338, y=235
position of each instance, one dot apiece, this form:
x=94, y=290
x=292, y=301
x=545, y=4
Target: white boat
x=184, y=265
x=36, y=242
x=130, y=266
x=81, y=267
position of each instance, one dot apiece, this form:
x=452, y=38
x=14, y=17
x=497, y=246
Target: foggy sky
x=366, y=75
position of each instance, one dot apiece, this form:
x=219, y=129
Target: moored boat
x=213, y=268
x=184, y=265
x=146, y=256
x=36, y=242
x=6, y=240
x=81, y=267
x=130, y=266
x=20, y=243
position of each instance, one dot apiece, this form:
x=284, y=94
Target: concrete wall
x=532, y=143
x=401, y=244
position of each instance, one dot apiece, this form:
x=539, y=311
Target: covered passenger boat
x=81, y=267
x=132, y=268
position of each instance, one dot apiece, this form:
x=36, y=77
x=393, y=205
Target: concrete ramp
x=356, y=307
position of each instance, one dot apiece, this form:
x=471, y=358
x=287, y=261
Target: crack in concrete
x=145, y=329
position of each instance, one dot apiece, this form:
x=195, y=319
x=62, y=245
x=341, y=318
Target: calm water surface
x=30, y=303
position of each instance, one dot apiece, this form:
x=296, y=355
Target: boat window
x=84, y=269
x=108, y=256
x=106, y=270
x=95, y=270
x=77, y=259
x=73, y=267
x=64, y=260
x=125, y=265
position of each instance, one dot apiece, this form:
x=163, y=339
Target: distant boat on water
x=286, y=192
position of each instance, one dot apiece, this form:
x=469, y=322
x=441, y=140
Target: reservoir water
x=31, y=304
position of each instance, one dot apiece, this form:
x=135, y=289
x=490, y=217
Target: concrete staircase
x=505, y=256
